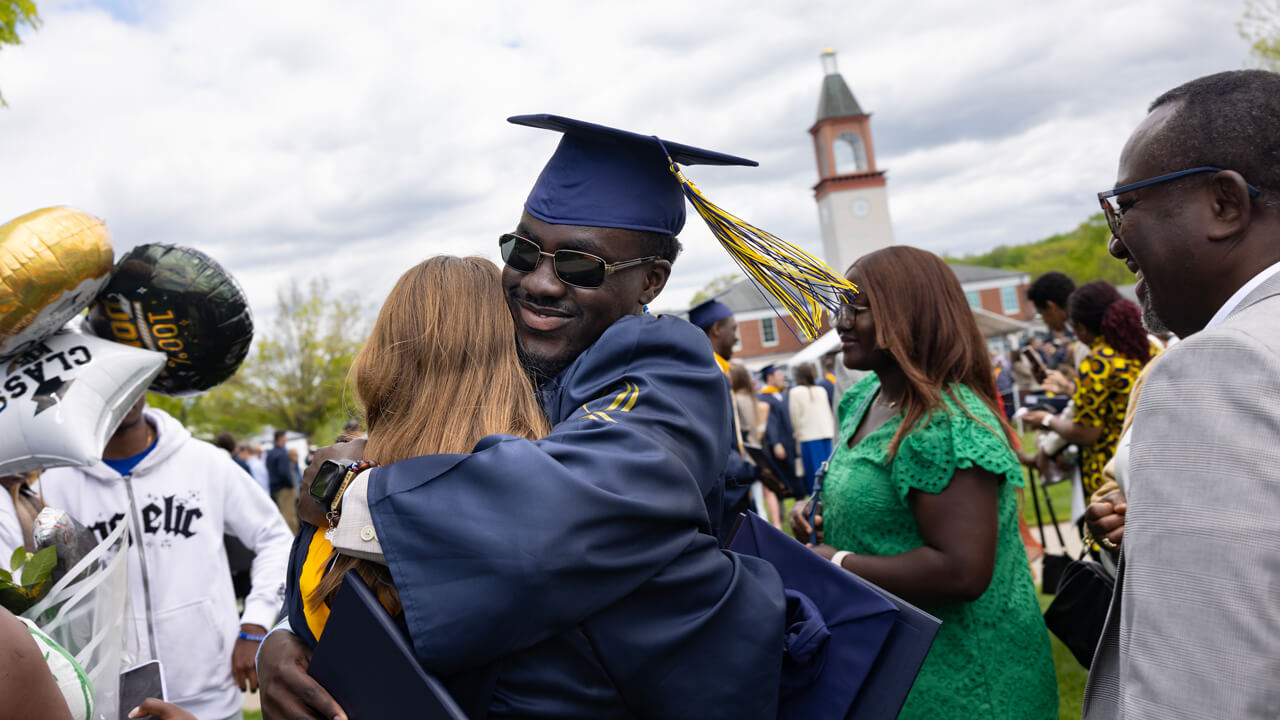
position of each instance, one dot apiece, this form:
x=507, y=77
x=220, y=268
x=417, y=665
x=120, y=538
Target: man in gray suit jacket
x=1194, y=625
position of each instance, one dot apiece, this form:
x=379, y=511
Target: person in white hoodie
x=181, y=495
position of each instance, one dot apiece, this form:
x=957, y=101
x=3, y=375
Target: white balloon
x=61, y=400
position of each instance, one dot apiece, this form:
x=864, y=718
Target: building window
x=850, y=153
x=737, y=343
x=972, y=297
x=768, y=331
x=1009, y=298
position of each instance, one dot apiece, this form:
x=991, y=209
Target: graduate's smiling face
x=555, y=322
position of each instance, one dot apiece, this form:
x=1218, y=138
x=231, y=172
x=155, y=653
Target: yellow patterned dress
x=1103, y=382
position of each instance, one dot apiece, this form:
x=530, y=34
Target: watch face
x=861, y=208
x=325, y=483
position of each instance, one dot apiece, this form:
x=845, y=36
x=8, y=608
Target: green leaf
x=19, y=557
x=39, y=567
x=5, y=577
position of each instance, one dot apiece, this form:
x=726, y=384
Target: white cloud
x=296, y=139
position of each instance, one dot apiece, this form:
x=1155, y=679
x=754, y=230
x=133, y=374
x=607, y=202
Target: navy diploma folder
x=367, y=663
x=878, y=641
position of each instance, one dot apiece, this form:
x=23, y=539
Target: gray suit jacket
x=1194, y=625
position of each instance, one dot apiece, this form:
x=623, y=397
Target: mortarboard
x=605, y=177
x=709, y=313
x=876, y=643
x=766, y=371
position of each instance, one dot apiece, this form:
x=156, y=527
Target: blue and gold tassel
x=803, y=284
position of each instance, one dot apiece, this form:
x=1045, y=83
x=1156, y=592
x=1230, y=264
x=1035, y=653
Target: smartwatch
x=332, y=478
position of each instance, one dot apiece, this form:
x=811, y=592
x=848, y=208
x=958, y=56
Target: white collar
x=1238, y=297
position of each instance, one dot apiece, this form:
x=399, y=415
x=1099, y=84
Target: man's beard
x=1150, y=320
x=538, y=368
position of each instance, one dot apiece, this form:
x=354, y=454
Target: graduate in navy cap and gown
x=779, y=437
x=582, y=570
x=717, y=321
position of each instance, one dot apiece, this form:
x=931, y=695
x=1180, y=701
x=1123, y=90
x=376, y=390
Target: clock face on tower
x=860, y=208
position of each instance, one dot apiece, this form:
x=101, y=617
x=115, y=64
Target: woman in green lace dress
x=919, y=495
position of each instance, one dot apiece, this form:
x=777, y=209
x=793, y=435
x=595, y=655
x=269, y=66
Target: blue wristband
x=251, y=638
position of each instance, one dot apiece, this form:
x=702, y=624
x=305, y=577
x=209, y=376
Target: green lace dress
x=991, y=658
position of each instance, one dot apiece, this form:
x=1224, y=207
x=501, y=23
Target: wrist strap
x=352, y=472
x=251, y=637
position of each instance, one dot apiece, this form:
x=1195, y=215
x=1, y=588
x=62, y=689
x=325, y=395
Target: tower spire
x=829, y=62
x=836, y=99
x=853, y=207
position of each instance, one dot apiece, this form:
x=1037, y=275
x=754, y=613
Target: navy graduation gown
x=583, y=565
x=778, y=431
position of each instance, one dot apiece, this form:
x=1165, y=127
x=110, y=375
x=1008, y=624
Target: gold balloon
x=53, y=262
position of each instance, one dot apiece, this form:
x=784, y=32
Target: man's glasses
x=1111, y=206
x=573, y=267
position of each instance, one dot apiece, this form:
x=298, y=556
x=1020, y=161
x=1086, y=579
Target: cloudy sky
x=350, y=140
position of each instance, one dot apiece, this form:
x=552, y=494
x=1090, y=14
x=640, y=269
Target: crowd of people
x=552, y=537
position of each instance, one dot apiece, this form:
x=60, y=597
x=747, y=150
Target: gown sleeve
x=499, y=549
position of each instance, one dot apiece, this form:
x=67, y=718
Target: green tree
x=1261, y=28
x=298, y=374
x=715, y=287
x=13, y=15
x=1081, y=254
x=295, y=378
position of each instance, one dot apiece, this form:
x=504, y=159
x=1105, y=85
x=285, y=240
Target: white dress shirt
x=1239, y=295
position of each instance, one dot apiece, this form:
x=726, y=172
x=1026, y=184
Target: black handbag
x=1079, y=612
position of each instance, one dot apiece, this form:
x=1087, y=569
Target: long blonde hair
x=438, y=373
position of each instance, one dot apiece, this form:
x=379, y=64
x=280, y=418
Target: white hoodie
x=184, y=495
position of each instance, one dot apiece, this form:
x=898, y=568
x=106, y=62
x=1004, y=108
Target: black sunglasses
x=573, y=267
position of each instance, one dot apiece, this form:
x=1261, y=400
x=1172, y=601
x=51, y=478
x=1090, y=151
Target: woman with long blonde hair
x=438, y=372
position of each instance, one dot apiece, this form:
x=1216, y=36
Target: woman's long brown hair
x=438, y=373
x=924, y=321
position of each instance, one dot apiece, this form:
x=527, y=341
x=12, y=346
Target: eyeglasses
x=573, y=267
x=850, y=311
x=1111, y=206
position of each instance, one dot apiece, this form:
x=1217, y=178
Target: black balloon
x=181, y=302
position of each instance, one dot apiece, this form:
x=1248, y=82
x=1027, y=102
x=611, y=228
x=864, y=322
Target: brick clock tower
x=853, y=206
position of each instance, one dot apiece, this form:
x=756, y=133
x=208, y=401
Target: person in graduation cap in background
x=584, y=565
x=717, y=321
x=779, y=436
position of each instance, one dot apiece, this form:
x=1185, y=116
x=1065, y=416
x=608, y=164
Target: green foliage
x=715, y=287
x=1081, y=254
x=1260, y=27
x=27, y=579
x=296, y=376
x=13, y=15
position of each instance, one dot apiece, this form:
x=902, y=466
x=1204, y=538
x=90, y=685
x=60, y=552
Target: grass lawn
x=252, y=715
x=1059, y=494
x=1071, y=676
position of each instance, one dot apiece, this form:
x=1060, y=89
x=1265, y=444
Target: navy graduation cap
x=605, y=177
x=709, y=313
